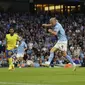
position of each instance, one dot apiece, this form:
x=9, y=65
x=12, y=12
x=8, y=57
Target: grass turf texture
x=42, y=76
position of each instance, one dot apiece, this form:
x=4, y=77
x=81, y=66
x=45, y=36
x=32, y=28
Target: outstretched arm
x=46, y=25
x=52, y=32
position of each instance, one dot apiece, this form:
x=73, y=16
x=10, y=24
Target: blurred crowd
x=38, y=40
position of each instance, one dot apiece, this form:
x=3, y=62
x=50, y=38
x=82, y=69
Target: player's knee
x=9, y=53
x=64, y=53
x=21, y=58
x=53, y=49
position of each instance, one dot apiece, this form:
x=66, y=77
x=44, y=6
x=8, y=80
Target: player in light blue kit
x=21, y=50
x=61, y=43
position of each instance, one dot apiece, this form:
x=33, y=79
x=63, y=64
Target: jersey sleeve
x=5, y=41
x=57, y=29
x=25, y=45
x=6, y=37
x=18, y=38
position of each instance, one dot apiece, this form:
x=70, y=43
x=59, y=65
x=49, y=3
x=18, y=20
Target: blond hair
x=51, y=19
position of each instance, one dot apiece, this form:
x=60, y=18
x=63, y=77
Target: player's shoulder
x=7, y=35
x=23, y=41
x=57, y=25
x=15, y=34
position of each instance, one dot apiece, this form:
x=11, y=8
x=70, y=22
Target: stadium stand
x=30, y=27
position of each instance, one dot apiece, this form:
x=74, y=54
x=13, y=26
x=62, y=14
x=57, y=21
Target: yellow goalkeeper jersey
x=11, y=41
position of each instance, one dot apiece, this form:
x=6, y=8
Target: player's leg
x=68, y=57
x=9, y=54
x=20, y=59
x=64, y=52
x=70, y=60
x=52, y=54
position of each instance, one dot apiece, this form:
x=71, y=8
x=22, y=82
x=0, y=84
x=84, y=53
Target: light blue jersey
x=60, y=32
x=61, y=44
x=21, y=47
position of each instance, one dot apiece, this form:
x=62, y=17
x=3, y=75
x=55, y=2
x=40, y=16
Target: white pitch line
x=13, y=83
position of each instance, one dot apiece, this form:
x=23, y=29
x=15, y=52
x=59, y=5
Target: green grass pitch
x=42, y=76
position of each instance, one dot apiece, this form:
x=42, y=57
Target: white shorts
x=61, y=45
x=29, y=62
x=20, y=55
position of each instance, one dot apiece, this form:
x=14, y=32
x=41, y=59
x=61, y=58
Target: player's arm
x=18, y=38
x=25, y=46
x=5, y=42
x=17, y=42
x=46, y=25
x=52, y=32
x=55, y=31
